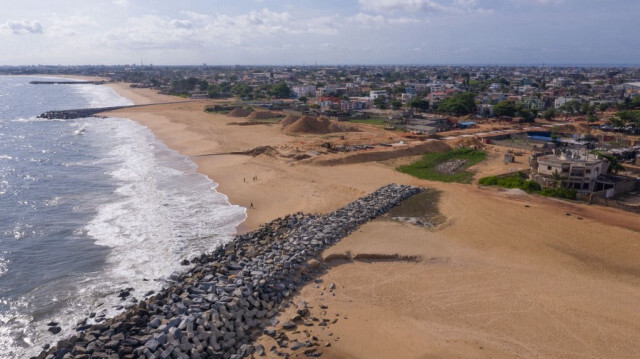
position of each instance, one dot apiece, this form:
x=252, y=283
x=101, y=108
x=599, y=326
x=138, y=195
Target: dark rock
x=289, y=325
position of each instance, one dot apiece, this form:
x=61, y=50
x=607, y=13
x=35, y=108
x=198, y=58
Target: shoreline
x=494, y=281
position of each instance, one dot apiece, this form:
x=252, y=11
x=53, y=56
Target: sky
x=305, y=32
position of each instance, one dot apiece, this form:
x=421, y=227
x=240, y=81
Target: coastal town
x=359, y=179
x=543, y=154
x=565, y=114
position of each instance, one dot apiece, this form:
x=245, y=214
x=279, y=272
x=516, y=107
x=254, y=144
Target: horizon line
x=558, y=64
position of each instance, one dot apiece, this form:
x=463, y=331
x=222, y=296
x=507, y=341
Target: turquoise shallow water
x=88, y=207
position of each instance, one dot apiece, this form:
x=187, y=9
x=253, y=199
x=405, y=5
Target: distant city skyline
x=271, y=32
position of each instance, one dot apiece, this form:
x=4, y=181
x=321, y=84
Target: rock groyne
x=68, y=82
x=218, y=307
x=77, y=113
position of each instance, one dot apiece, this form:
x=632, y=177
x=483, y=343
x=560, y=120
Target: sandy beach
x=507, y=275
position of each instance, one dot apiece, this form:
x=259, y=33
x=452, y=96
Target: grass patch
x=425, y=168
x=520, y=181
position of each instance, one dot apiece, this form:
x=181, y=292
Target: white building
x=562, y=100
x=375, y=94
x=304, y=90
x=576, y=171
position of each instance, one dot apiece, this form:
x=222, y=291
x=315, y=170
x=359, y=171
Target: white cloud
x=20, y=27
x=427, y=6
x=539, y=2
x=68, y=25
x=380, y=20
x=193, y=28
x=401, y=5
x=121, y=3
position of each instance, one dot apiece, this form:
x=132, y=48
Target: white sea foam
x=101, y=96
x=162, y=211
x=165, y=210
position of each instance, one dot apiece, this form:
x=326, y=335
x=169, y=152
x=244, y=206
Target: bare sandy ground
x=507, y=276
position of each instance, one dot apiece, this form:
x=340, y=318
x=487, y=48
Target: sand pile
x=263, y=150
x=579, y=128
x=467, y=142
x=289, y=119
x=263, y=115
x=239, y=112
x=312, y=125
x=382, y=154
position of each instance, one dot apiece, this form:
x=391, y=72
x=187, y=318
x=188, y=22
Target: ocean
x=89, y=207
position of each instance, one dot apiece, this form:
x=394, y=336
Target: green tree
x=419, y=104
x=527, y=114
x=303, y=99
x=241, y=90
x=460, y=104
x=281, y=90
x=380, y=102
x=549, y=114
x=505, y=108
x=396, y=105
x=604, y=106
x=614, y=164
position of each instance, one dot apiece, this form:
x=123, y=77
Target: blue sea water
x=88, y=207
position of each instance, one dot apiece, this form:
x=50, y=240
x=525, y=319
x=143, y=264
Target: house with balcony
x=570, y=169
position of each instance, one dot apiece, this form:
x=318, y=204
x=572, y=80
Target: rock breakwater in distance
x=77, y=113
x=218, y=307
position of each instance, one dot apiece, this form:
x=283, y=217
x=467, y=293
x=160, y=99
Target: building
x=375, y=94
x=406, y=97
x=304, y=90
x=467, y=124
x=571, y=169
x=428, y=126
x=562, y=100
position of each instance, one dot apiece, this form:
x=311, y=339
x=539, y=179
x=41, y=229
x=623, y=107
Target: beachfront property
x=575, y=170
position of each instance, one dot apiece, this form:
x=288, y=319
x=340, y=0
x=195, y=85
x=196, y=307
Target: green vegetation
x=559, y=193
x=419, y=104
x=519, y=180
x=614, y=164
x=182, y=87
x=626, y=118
x=549, y=113
x=505, y=108
x=426, y=167
x=512, y=109
x=380, y=102
x=460, y=104
x=281, y=90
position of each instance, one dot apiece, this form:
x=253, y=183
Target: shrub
x=489, y=181
x=560, y=193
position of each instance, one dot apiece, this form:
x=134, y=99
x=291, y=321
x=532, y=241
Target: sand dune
x=312, y=125
x=239, y=112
